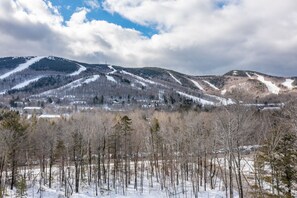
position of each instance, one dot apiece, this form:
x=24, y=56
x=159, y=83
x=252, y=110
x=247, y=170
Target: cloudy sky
x=191, y=36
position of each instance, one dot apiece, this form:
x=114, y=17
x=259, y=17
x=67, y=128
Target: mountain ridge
x=66, y=82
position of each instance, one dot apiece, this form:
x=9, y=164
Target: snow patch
x=223, y=92
x=91, y=79
x=289, y=84
x=197, y=84
x=26, y=83
x=113, y=70
x=248, y=75
x=139, y=78
x=73, y=84
x=22, y=66
x=110, y=78
x=81, y=69
x=211, y=85
x=196, y=99
x=272, y=88
x=235, y=73
x=178, y=81
x=222, y=101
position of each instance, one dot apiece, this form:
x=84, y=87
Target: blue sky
x=67, y=8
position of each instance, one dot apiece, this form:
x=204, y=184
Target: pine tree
x=15, y=134
x=286, y=162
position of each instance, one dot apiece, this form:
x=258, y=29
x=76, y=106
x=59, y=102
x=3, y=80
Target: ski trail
x=211, y=85
x=26, y=83
x=139, y=78
x=197, y=84
x=22, y=67
x=289, y=84
x=110, y=78
x=272, y=88
x=81, y=69
x=74, y=84
x=178, y=81
x=196, y=99
x=113, y=70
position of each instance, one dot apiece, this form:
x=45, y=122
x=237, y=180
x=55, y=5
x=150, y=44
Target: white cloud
x=195, y=36
x=78, y=18
x=94, y=4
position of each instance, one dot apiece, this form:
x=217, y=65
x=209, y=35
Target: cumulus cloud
x=194, y=36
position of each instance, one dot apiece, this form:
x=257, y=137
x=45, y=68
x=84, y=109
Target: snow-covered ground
x=26, y=83
x=174, y=78
x=22, y=67
x=151, y=187
x=139, y=78
x=224, y=91
x=272, y=88
x=113, y=70
x=196, y=99
x=197, y=84
x=81, y=69
x=211, y=85
x=222, y=101
x=110, y=78
x=250, y=77
x=289, y=84
x=74, y=84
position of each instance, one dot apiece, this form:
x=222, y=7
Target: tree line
x=183, y=153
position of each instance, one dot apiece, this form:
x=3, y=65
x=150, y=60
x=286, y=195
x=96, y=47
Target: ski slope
x=289, y=84
x=211, y=85
x=196, y=99
x=22, y=67
x=110, y=78
x=272, y=88
x=81, y=69
x=113, y=70
x=222, y=101
x=196, y=84
x=139, y=78
x=74, y=84
x=26, y=83
x=178, y=81
x=250, y=77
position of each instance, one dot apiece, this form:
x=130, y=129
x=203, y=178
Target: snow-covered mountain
x=63, y=81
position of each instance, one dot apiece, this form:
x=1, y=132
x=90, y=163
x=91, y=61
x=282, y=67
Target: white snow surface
x=81, y=69
x=211, y=85
x=222, y=101
x=110, y=78
x=178, y=81
x=272, y=88
x=289, y=83
x=197, y=84
x=250, y=77
x=224, y=91
x=91, y=79
x=22, y=66
x=139, y=78
x=49, y=116
x=74, y=84
x=195, y=98
x=113, y=70
x=26, y=83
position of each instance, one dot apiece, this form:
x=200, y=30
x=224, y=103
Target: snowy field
x=37, y=186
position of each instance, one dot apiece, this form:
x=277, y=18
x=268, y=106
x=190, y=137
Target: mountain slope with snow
x=67, y=82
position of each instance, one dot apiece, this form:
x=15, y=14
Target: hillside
x=54, y=80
